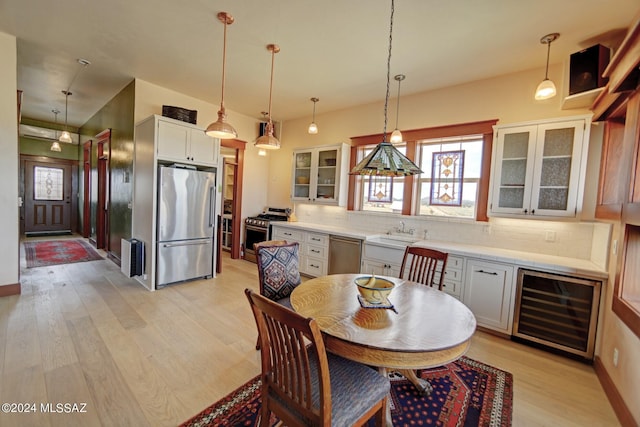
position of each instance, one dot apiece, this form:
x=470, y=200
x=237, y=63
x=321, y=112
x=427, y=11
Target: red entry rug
x=465, y=393
x=53, y=252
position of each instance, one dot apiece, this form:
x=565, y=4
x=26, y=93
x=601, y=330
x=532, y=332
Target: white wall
x=149, y=100
x=9, y=232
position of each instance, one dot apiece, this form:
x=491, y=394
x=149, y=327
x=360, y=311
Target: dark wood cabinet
x=612, y=177
x=619, y=187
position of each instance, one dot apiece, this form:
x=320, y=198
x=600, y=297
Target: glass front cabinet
x=320, y=174
x=539, y=168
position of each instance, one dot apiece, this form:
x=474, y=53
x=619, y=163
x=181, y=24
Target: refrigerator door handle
x=189, y=243
x=211, y=206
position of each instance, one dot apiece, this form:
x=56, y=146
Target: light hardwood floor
x=84, y=333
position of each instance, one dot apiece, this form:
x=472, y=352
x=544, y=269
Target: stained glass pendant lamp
x=385, y=159
x=268, y=141
x=220, y=128
x=546, y=89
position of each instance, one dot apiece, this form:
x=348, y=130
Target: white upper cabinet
x=320, y=175
x=186, y=143
x=539, y=168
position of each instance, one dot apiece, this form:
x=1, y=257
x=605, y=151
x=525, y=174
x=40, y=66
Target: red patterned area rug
x=465, y=393
x=53, y=252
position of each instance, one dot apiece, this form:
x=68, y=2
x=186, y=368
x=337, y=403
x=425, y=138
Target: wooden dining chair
x=302, y=384
x=278, y=270
x=424, y=265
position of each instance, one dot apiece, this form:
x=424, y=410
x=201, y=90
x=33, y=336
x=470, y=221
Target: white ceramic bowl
x=376, y=293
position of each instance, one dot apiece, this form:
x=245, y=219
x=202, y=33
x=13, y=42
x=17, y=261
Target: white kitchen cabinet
x=320, y=175
x=488, y=292
x=539, y=168
x=313, y=252
x=381, y=260
x=453, y=274
x=316, y=254
x=185, y=143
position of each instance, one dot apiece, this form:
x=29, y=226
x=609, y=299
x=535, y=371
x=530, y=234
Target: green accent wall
x=40, y=147
x=117, y=115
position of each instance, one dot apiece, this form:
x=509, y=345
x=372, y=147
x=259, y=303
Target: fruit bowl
x=375, y=290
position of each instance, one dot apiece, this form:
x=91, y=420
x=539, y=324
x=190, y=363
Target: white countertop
x=534, y=261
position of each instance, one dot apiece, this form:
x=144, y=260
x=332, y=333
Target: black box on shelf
x=586, y=68
x=178, y=113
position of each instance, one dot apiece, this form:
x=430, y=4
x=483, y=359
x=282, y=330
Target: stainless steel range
x=258, y=229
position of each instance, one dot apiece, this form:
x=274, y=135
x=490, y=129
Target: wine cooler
x=557, y=311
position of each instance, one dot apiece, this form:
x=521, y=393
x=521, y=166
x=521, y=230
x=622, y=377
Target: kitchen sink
x=392, y=240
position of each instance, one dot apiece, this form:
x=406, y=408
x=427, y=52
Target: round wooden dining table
x=424, y=328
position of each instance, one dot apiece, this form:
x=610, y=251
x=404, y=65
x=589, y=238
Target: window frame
x=411, y=138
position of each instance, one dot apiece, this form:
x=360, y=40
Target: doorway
x=49, y=186
x=102, y=192
x=233, y=150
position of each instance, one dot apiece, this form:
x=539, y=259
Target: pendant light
x=220, y=128
x=385, y=159
x=55, y=145
x=268, y=141
x=313, y=127
x=546, y=89
x=65, y=136
x=396, y=135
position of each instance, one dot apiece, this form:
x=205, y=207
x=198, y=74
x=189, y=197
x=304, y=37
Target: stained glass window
x=446, y=178
x=48, y=183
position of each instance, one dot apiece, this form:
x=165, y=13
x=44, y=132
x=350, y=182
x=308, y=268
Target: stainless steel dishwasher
x=344, y=255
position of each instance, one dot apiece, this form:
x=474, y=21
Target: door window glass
x=48, y=183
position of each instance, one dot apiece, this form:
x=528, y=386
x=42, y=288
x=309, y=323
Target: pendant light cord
x=224, y=62
x=386, y=98
x=546, y=70
x=398, y=102
x=66, y=108
x=273, y=58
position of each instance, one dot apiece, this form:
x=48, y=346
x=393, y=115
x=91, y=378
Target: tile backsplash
x=581, y=240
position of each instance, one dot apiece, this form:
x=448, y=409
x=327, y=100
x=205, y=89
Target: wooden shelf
x=582, y=99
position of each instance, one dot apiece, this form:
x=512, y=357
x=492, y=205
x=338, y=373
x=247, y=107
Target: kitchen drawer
x=315, y=251
x=318, y=239
x=453, y=275
x=455, y=262
x=287, y=234
x=315, y=267
x=452, y=288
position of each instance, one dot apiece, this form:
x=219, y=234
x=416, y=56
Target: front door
x=47, y=197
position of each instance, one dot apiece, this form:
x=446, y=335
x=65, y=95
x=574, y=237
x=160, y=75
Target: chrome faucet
x=402, y=230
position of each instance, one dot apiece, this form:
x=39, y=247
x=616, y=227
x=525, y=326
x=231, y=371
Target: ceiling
x=335, y=50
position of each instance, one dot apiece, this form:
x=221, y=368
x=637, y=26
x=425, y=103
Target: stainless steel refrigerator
x=186, y=222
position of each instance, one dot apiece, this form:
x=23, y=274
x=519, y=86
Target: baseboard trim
x=622, y=411
x=8, y=290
